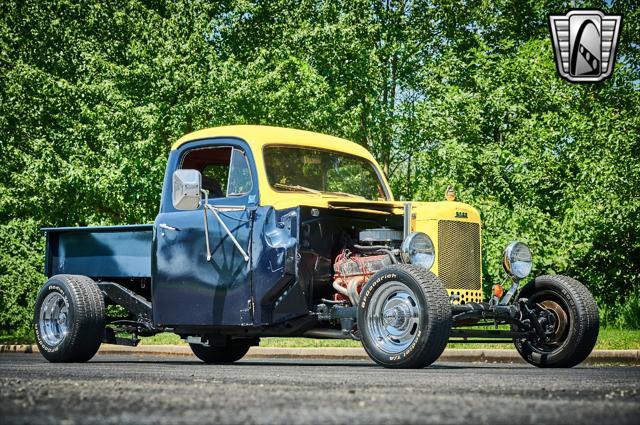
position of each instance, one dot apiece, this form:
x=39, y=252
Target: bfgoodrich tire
x=577, y=322
x=404, y=317
x=69, y=319
x=232, y=352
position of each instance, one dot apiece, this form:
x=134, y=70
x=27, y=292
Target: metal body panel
x=100, y=252
x=188, y=290
x=428, y=218
x=279, y=290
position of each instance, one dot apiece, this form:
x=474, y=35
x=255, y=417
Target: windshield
x=299, y=169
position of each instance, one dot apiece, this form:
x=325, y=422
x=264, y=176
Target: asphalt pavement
x=169, y=390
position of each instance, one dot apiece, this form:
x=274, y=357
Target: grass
x=609, y=339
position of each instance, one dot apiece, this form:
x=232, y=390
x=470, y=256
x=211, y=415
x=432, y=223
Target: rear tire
x=232, y=352
x=577, y=322
x=404, y=317
x=69, y=319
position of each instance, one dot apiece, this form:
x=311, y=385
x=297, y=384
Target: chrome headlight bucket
x=517, y=260
x=417, y=248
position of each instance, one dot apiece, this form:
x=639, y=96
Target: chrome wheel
x=54, y=319
x=394, y=317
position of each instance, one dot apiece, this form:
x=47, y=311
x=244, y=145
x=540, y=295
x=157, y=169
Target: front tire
x=69, y=319
x=404, y=317
x=576, y=322
x=232, y=352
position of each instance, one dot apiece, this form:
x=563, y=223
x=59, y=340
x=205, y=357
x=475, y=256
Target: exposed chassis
x=526, y=321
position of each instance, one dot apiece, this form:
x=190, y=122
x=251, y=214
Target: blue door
x=188, y=289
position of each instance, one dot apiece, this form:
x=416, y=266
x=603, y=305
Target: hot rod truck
x=266, y=231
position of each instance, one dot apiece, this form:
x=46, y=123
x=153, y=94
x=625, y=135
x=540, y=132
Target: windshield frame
x=381, y=180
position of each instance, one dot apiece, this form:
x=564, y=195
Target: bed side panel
x=117, y=253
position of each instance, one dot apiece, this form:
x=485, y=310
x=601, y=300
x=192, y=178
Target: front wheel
x=404, y=317
x=575, y=318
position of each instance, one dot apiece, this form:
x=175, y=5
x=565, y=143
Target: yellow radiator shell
x=427, y=217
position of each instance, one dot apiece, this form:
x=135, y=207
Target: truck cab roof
x=259, y=136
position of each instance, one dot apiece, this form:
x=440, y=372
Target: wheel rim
x=561, y=322
x=393, y=317
x=554, y=304
x=54, y=319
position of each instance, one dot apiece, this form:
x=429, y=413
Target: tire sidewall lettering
x=413, y=345
x=49, y=288
x=380, y=281
x=373, y=285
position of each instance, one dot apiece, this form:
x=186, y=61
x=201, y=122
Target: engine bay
x=356, y=263
x=340, y=250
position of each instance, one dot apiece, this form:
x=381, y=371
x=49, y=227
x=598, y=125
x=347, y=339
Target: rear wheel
x=575, y=322
x=232, y=352
x=404, y=317
x=69, y=319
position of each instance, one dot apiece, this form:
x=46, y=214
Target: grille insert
x=459, y=258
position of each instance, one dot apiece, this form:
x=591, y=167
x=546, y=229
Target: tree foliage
x=92, y=94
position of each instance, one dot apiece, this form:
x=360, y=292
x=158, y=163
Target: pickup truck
x=266, y=232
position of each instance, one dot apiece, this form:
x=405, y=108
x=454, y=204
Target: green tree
x=92, y=95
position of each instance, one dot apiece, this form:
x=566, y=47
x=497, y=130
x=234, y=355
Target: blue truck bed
x=100, y=252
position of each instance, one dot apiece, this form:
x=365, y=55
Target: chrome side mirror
x=186, y=189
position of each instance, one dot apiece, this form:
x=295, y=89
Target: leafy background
x=92, y=94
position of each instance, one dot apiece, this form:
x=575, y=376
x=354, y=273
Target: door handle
x=167, y=227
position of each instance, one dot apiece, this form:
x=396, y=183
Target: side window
x=225, y=170
x=239, y=174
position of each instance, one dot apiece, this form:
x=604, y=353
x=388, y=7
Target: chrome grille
x=459, y=254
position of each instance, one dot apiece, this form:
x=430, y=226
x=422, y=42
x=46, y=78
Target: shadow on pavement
x=305, y=363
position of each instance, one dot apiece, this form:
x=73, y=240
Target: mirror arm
x=214, y=210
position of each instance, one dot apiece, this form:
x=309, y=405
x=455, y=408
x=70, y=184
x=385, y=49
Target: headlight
x=517, y=260
x=417, y=249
